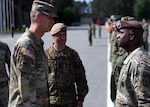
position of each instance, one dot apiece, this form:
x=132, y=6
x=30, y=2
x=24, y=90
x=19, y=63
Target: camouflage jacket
x=4, y=59
x=113, y=47
x=28, y=75
x=118, y=63
x=134, y=81
x=66, y=75
x=145, y=33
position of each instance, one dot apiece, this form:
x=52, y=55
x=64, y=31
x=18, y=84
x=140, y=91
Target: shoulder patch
x=28, y=53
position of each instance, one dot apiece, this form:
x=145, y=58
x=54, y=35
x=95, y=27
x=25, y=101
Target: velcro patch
x=28, y=53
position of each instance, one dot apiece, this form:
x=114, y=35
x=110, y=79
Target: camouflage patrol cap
x=58, y=27
x=127, y=18
x=131, y=24
x=44, y=7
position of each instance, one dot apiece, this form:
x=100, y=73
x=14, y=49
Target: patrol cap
x=58, y=27
x=44, y=7
x=131, y=24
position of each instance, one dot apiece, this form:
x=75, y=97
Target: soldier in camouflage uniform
x=145, y=34
x=133, y=89
x=4, y=79
x=113, y=41
x=118, y=63
x=29, y=66
x=67, y=79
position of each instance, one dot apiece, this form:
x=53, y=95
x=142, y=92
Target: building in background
x=14, y=12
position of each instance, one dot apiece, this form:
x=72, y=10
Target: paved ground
x=95, y=60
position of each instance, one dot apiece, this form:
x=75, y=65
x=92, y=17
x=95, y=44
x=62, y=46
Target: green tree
x=66, y=11
x=103, y=8
x=61, y=6
x=70, y=15
x=125, y=7
x=141, y=9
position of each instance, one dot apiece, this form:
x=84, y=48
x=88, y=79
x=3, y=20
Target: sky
x=83, y=0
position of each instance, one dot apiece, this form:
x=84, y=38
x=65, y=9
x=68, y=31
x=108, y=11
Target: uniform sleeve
x=141, y=81
x=81, y=82
x=8, y=54
x=26, y=78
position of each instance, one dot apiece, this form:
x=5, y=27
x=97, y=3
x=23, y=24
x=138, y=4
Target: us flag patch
x=28, y=53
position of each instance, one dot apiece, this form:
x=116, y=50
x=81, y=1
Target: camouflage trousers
x=4, y=94
x=67, y=105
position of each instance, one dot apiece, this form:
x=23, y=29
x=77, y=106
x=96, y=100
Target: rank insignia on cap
x=28, y=53
x=118, y=25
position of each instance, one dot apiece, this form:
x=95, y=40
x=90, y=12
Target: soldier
x=67, y=80
x=134, y=81
x=4, y=79
x=12, y=30
x=118, y=62
x=94, y=30
x=145, y=34
x=90, y=34
x=99, y=31
x=113, y=41
x=29, y=66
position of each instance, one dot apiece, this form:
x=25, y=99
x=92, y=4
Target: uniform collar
x=131, y=55
x=32, y=35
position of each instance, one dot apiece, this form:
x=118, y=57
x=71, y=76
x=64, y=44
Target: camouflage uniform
x=4, y=59
x=121, y=55
x=118, y=63
x=145, y=36
x=113, y=47
x=28, y=76
x=66, y=76
x=134, y=82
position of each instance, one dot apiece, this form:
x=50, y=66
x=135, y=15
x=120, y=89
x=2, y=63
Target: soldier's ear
x=132, y=35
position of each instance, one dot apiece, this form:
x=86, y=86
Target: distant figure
x=145, y=34
x=99, y=31
x=12, y=30
x=94, y=30
x=90, y=34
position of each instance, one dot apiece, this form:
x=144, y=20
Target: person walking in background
x=90, y=34
x=29, y=65
x=66, y=78
x=134, y=81
x=12, y=30
x=5, y=54
x=145, y=34
x=94, y=30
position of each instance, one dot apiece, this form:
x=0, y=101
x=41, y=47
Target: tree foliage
x=61, y=7
x=71, y=10
x=125, y=7
x=136, y=8
x=141, y=9
x=103, y=8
